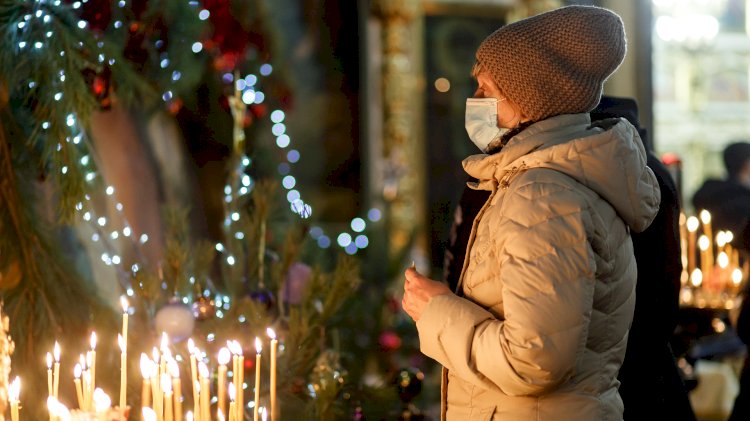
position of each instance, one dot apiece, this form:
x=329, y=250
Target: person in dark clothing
x=728, y=200
x=741, y=409
x=652, y=387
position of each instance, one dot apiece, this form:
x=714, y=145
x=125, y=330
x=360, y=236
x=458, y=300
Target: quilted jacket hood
x=607, y=156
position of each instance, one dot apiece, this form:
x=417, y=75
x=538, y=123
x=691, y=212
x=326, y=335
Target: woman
x=538, y=326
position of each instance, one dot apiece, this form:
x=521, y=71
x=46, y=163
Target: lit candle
x=92, y=364
x=146, y=373
x=223, y=359
x=263, y=413
x=235, y=370
x=49, y=374
x=174, y=372
x=123, y=369
x=102, y=403
x=125, y=306
x=737, y=279
x=706, y=220
x=57, y=410
x=166, y=387
x=194, y=375
x=85, y=381
x=77, y=370
x=240, y=385
x=258, y=349
x=148, y=414
x=703, y=245
x=56, y=376
x=14, y=391
x=220, y=415
x=189, y=416
x=274, y=347
x=205, y=391
x=696, y=278
x=232, y=404
x=692, y=228
x=156, y=397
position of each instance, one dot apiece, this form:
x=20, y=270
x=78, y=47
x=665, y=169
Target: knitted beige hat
x=555, y=62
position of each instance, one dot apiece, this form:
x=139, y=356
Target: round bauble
x=175, y=319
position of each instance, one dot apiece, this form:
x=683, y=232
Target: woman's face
x=508, y=113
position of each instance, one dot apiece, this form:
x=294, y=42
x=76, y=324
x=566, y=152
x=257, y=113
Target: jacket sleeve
x=546, y=276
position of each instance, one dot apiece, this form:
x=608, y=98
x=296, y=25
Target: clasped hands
x=418, y=290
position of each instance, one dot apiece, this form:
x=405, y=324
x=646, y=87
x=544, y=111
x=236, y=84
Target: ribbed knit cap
x=555, y=62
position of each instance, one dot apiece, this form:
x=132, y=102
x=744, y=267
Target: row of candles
x=161, y=398
x=712, y=274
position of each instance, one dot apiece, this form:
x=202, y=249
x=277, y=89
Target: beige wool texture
x=555, y=62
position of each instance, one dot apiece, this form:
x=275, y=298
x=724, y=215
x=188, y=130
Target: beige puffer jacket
x=549, y=278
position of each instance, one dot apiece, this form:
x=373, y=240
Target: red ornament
x=389, y=341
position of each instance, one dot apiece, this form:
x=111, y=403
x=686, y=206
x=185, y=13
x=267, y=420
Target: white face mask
x=481, y=121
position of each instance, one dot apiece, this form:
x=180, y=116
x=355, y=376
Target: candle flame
x=49, y=360
x=203, y=370
x=703, y=242
x=262, y=411
x=220, y=415
x=121, y=342
x=166, y=383
x=146, y=366
x=173, y=368
x=89, y=359
x=692, y=224
x=56, y=352
x=232, y=392
x=737, y=276
x=102, y=401
x=14, y=390
x=124, y=304
x=155, y=355
x=258, y=345
x=164, y=342
x=189, y=416
x=237, y=347
x=150, y=415
x=721, y=239
x=224, y=356
x=723, y=260
x=271, y=334
x=696, y=278
x=191, y=346
x=57, y=409
x=77, y=370
x=705, y=217
x=197, y=386
x=93, y=341
x=728, y=236
x=82, y=361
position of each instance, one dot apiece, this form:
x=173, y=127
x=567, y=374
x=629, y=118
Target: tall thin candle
x=146, y=373
x=258, y=349
x=205, y=391
x=223, y=359
x=49, y=374
x=166, y=387
x=14, y=391
x=123, y=370
x=77, y=370
x=56, y=377
x=194, y=376
x=174, y=372
x=92, y=365
x=272, y=386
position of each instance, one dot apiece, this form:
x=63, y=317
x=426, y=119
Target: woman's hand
x=418, y=290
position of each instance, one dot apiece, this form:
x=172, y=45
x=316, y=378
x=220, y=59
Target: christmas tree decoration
x=204, y=308
x=175, y=319
x=408, y=382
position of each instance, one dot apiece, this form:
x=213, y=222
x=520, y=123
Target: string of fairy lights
x=350, y=240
